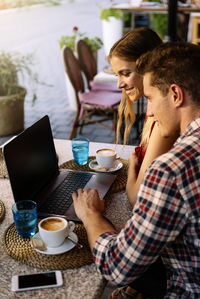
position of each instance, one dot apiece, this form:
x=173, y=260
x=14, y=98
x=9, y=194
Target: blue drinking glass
x=80, y=149
x=25, y=217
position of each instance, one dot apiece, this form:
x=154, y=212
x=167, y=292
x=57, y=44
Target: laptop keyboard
x=61, y=199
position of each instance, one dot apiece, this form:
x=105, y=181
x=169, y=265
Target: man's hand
x=88, y=203
x=89, y=208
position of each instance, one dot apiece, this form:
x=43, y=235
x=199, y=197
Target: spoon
x=78, y=245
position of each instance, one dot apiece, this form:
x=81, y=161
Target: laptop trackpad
x=101, y=182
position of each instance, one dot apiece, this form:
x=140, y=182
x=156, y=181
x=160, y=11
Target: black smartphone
x=36, y=281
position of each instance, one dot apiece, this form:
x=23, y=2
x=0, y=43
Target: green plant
x=105, y=13
x=158, y=23
x=22, y=3
x=70, y=40
x=12, y=67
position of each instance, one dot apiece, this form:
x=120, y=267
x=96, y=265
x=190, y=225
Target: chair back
x=73, y=70
x=87, y=60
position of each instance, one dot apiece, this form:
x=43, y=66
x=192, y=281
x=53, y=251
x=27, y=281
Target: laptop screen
x=31, y=160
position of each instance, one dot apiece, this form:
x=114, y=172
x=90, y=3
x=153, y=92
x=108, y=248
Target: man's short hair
x=173, y=63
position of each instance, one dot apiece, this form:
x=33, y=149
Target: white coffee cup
x=54, y=230
x=106, y=157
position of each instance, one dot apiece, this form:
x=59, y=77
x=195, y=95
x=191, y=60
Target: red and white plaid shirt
x=165, y=222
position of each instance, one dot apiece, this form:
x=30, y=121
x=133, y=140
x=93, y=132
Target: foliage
x=71, y=40
x=105, y=13
x=12, y=66
x=158, y=23
x=22, y=3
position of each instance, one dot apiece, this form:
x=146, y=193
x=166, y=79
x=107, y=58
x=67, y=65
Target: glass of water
x=80, y=149
x=25, y=217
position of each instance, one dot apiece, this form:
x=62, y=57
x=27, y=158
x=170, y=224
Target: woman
x=123, y=56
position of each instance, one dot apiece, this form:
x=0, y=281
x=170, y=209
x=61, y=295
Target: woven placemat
x=2, y=210
x=21, y=250
x=118, y=185
x=3, y=169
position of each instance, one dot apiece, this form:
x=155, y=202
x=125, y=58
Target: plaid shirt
x=165, y=222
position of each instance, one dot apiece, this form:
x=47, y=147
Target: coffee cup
x=106, y=157
x=54, y=230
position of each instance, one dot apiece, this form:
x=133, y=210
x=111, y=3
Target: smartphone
x=36, y=281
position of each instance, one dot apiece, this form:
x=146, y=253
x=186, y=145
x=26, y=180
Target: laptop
x=34, y=174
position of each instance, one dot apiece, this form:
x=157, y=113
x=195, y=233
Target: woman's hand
x=133, y=163
x=131, y=186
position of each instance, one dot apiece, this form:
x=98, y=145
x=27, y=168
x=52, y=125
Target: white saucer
x=94, y=166
x=66, y=246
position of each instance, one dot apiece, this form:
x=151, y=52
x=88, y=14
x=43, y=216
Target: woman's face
x=128, y=78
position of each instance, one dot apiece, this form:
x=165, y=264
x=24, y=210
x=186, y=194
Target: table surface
x=105, y=77
x=84, y=282
x=154, y=8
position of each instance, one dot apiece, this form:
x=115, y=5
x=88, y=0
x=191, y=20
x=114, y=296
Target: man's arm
x=89, y=208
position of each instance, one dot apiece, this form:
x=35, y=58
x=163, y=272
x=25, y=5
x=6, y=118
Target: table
x=84, y=282
x=102, y=76
x=154, y=8
x=172, y=10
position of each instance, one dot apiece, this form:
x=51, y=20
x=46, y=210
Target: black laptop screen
x=31, y=160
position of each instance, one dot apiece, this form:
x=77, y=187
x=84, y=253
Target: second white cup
x=106, y=157
x=54, y=230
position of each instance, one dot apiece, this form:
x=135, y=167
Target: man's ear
x=177, y=94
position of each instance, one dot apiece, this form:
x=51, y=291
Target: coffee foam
x=53, y=224
x=105, y=152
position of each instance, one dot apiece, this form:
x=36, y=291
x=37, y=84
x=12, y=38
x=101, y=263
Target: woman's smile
x=130, y=91
x=128, y=78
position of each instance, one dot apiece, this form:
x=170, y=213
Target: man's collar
x=191, y=128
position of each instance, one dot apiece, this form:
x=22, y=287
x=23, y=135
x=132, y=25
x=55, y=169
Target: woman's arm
x=157, y=146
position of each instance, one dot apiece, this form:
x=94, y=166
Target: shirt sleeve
x=158, y=217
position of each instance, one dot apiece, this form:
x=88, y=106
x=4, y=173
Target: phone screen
x=37, y=280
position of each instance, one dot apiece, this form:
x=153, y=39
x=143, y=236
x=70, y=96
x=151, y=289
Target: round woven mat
x=21, y=250
x=2, y=210
x=118, y=185
x=3, y=169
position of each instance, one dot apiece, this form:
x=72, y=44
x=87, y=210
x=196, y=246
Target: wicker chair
x=90, y=104
x=89, y=66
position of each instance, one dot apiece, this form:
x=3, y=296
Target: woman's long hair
x=130, y=47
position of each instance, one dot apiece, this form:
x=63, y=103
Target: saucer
x=66, y=246
x=94, y=166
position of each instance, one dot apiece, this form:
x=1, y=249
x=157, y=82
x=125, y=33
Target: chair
x=194, y=28
x=89, y=66
x=91, y=103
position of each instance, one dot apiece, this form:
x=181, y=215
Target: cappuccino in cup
x=53, y=224
x=106, y=157
x=54, y=230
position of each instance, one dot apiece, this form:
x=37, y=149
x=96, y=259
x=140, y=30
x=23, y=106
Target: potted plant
x=12, y=95
x=70, y=41
x=106, y=13
x=112, y=26
x=94, y=43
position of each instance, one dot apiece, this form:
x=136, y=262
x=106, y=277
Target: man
x=166, y=216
